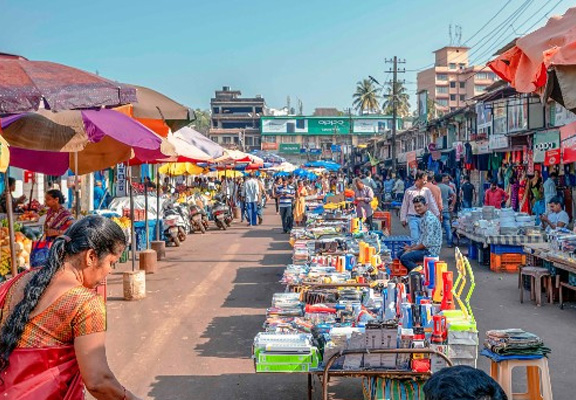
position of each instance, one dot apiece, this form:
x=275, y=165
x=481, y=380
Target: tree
x=402, y=102
x=202, y=121
x=366, y=97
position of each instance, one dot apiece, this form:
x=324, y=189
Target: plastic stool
x=539, y=388
x=536, y=275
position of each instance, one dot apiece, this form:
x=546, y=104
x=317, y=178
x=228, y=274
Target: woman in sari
x=58, y=219
x=53, y=324
x=300, y=206
x=523, y=194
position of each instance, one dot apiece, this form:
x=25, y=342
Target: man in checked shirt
x=408, y=216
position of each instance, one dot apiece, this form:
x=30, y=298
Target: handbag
x=39, y=253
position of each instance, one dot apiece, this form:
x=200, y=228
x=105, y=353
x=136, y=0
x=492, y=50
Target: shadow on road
x=249, y=387
x=230, y=337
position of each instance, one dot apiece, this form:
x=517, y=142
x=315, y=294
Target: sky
x=314, y=50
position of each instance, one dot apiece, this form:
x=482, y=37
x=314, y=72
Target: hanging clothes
x=468, y=156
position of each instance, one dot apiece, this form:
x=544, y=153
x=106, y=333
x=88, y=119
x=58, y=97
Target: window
x=480, y=88
x=215, y=110
x=452, y=97
x=269, y=139
x=452, y=65
x=441, y=77
x=462, y=85
x=452, y=84
x=226, y=139
x=462, y=65
x=442, y=102
x=462, y=97
x=441, y=89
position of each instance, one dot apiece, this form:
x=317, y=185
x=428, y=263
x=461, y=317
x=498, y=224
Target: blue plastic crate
x=396, y=243
x=500, y=249
x=472, y=251
x=139, y=228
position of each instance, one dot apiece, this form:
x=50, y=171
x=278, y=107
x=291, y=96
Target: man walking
x=363, y=194
x=448, y=202
x=432, y=185
x=429, y=241
x=286, y=195
x=467, y=193
x=251, y=197
x=408, y=215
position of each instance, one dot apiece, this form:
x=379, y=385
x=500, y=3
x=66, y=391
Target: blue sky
x=314, y=50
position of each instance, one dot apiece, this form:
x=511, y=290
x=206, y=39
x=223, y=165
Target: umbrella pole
x=146, y=229
x=76, y=189
x=132, y=228
x=10, y=215
x=157, y=204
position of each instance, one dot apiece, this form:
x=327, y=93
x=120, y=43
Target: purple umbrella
x=26, y=85
x=48, y=142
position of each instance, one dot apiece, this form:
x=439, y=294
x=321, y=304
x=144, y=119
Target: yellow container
x=437, y=294
x=370, y=251
x=362, y=252
x=354, y=225
x=376, y=260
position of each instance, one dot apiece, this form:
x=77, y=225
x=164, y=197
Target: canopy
x=4, y=154
x=152, y=105
x=329, y=165
x=284, y=167
x=177, y=169
x=234, y=156
x=27, y=85
x=187, y=137
x=544, y=61
x=228, y=173
x=48, y=142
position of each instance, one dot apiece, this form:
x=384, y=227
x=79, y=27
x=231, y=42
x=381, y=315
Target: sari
x=47, y=372
x=300, y=206
x=59, y=220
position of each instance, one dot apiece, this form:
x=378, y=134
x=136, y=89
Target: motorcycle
x=221, y=213
x=198, y=216
x=177, y=221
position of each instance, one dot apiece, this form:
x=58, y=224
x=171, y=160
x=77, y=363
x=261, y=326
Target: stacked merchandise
x=340, y=296
x=513, y=343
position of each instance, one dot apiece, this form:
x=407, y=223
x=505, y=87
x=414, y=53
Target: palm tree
x=366, y=97
x=402, y=102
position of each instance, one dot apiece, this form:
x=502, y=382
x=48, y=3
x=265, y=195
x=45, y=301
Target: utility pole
x=395, y=72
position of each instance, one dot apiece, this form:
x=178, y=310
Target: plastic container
x=472, y=251
x=502, y=249
x=397, y=269
x=396, y=243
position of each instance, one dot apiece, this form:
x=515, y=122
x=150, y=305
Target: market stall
x=350, y=310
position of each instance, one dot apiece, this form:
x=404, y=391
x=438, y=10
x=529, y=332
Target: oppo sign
x=331, y=122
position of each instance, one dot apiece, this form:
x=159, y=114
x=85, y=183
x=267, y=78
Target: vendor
x=556, y=217
x=15, y=201
x=58, y=218
x=495, y=196
x=363, y=194
x=430, y=240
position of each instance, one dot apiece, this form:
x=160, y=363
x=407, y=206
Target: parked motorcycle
x=221, y=212
x=177, y=221
x=198, y=215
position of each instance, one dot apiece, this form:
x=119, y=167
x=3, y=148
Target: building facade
x=451, y=82
x=313, y=137
x=235, y=121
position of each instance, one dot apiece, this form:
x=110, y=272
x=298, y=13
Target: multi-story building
x=236, y=120
x=452, y=81
x=310, y=137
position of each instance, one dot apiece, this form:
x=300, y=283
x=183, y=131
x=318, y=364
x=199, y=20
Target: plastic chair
x=539, y=387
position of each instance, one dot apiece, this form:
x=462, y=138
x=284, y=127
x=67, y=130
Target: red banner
x=552, y=157
x=269, y=146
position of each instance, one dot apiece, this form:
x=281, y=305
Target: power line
x=545, y=15
x=488, y=22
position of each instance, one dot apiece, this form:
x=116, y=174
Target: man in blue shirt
x=430, y=240
x=286, y=194
x=550, y=187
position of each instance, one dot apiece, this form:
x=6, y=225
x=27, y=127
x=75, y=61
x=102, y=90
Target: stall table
x=508, y=240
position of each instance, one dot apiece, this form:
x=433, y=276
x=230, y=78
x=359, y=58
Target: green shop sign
x=329, y=126
x=289, y=148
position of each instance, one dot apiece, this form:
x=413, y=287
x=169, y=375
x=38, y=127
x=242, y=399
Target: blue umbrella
x=281, y=174
x=300, y=172
x=329, y=165
x=311, y=176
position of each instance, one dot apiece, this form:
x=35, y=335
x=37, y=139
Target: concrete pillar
x=159, y=246
x=148, y=261
x=134, y=283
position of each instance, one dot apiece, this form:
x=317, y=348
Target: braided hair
x=93, y=232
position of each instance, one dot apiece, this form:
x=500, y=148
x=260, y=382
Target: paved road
x=191, y=337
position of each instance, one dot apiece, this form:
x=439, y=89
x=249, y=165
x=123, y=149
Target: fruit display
x=23, y=247
x=123, y=222
x=31, y=216
x=34, y=205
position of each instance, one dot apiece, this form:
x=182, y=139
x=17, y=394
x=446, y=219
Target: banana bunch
x=123, y=222
x=5, y=262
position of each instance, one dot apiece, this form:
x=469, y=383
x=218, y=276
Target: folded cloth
x=514, y=342
x=498, y=357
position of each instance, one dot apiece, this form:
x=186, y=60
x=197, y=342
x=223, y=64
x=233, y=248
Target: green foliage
x=366, y=97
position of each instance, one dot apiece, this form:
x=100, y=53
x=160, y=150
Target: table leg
x=309, y=386
x=561, y=300
x=538, y=289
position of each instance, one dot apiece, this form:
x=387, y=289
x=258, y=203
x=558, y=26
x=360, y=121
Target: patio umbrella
x=177, y=169
x=49, y=142
x=29, y=85
x=152, y=105
x=189, y=136
x=543, y=61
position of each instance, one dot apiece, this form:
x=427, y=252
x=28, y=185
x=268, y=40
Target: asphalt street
x=191, y=337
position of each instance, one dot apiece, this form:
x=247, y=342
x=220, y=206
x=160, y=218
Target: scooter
x=198, y=216
x=221, y=213
x=177, y=221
